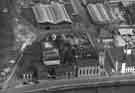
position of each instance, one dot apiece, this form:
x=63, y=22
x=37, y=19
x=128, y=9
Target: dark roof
x=88, y=62
x=28, y=14
x=105, y=34
x=89, y=1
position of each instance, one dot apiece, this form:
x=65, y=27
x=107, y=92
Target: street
x=78, y=83
x=6, y=31
x=7, y=41
x=7, y=35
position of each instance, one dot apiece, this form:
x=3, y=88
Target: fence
x=88, y=71
x=130, y=70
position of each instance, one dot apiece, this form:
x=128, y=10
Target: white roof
x=52, y=62
x=52, y=13
x=126, y=31
x=12, y=61
x=48, y=45
x=95, y=13
x=119, y=41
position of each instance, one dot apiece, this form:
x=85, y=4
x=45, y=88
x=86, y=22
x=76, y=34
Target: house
x=127, y=34
x=88, y=71
x=93, y=68
x=101, y=14
x=127, y=69
x=88, y=68
x=126, y=31
x=86, y=2
x=48, y=16
x=51, y=13
x=106, y=38
x=113, y=56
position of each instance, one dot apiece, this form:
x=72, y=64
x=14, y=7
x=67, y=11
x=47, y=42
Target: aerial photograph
x=67, y=46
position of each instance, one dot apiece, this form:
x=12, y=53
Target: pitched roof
x=94, y=13
x=101, y=14
x=51, y=13
x=105, y=34
x=88, y=62
x=126, y=31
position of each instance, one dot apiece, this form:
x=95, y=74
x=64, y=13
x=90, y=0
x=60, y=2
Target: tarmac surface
x=7, y=35
x=115, y=84
x=6, y=30
x=7, y=41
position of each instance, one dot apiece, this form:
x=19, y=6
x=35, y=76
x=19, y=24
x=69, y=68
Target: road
x=6, y=31
x=11, y=78
x=77, y=83
x=6, y=26
x=92, y=29
x=7, y=38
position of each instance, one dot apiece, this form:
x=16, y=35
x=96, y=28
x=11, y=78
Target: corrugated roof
x=126, y=31
x=101, y=14
x=51, y=13
x=94, y=13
